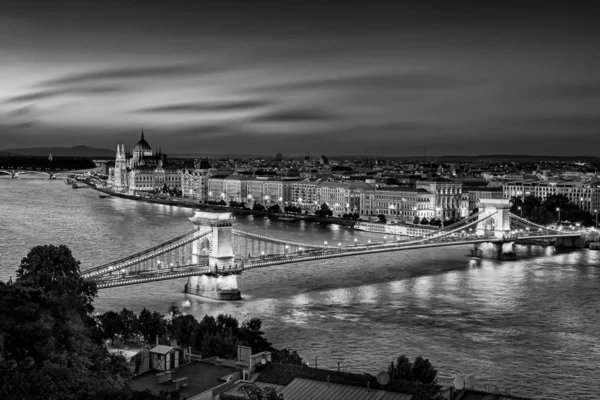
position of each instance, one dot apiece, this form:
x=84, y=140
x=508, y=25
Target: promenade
x=190, y=203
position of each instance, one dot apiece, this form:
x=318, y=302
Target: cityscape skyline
x=381, y=80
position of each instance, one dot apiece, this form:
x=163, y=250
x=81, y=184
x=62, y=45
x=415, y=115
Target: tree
x=417, y=220
x=56, y=271
x=47, y=349
x=129, y=324
x=250, y=335
x=286, y=356
x=401, y=370
x=382, y=218
x=110, y=323
x=423, y=371
x=174, y=311
x=275, y=208
x=151, y=325
x=324, y=211
x=182, y=328
x=424, y=221
x=258, y=207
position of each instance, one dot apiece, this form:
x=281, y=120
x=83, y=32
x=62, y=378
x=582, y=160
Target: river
x=530, y=325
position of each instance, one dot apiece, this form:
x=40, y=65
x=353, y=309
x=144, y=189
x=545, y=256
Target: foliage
x=324, y=211
x=110, y=325
x=286, y=356
x=424, y=221
x=151, y=325
x=128, y=324
x=253, y=392
x=276, y=208
x=544, y=211
x=292, y=209
x=56, y=271
x=258, y=207
x=47, y=349
x=382, y=218
x=421, y=370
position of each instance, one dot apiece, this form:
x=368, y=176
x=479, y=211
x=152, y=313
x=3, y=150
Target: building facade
x=142, y=170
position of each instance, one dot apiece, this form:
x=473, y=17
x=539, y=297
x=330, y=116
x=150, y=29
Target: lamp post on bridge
x=521, y=210
x=558, y=209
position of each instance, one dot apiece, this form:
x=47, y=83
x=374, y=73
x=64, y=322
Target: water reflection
x=531, y=322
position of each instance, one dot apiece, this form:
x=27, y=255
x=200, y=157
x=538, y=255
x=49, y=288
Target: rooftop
x=201, y=376
x=300, y=389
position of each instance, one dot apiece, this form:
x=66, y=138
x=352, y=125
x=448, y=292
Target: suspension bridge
x=213, y=253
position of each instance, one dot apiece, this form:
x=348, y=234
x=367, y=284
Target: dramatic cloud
x=298, y=115
x=241, y=77
x=129, y=73
x=74, y=91
x=234, y=105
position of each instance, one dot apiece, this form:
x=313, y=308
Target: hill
x=76, y=151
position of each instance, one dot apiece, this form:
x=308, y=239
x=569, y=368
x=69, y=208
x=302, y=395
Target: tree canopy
x=47, y=346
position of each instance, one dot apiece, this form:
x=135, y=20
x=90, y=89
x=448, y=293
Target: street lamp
x=558, y=209
x=520, y=209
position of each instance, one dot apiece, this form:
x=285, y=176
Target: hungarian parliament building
x=142, y=170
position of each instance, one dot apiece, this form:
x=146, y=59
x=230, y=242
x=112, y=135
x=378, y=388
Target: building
x=447, y=196
x=194, y=182
x=401, y=204
x=142, y=170
x=342, y=197
x=585, y=194
x=302, y=193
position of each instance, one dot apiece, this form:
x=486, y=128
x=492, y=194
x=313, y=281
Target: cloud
x=297, y=115
x=74, y=91
x=235, y=105
x=127, y=73
x=375, y=81
x=574, y=90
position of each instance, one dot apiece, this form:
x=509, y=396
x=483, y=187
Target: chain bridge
x=213, y=254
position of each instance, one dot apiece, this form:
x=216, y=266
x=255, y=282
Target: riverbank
x=182, y=202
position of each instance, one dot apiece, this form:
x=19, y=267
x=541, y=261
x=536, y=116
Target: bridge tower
x=498, y=224
x=221, y=239
x=222, y=284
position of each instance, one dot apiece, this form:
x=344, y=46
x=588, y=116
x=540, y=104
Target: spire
x=118, y=150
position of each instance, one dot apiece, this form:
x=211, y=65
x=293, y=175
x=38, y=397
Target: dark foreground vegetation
x=51, y=346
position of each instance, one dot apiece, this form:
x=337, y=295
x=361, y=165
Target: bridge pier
x=220, y=284
x=494, y=250
x=219, y=287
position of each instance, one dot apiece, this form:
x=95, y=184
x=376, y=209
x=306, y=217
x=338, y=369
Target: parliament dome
x=142, y=148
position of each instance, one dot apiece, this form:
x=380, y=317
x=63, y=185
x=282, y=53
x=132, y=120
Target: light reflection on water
x=530, y=325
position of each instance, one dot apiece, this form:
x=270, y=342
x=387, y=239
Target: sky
x=302, y=77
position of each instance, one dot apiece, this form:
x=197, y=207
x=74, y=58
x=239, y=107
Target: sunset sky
x=297, y=77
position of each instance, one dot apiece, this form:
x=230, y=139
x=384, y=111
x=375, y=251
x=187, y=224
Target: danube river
x=530, y=326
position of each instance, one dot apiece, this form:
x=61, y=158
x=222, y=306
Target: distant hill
x=77, y=151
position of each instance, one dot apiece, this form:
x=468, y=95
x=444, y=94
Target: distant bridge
x=15, y=173
x=214, y=248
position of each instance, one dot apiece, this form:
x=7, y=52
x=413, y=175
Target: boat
x=103, y=196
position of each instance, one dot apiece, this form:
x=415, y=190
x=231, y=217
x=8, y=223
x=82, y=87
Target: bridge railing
x=527, y=223
x=275, y=240
x=192, y=235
